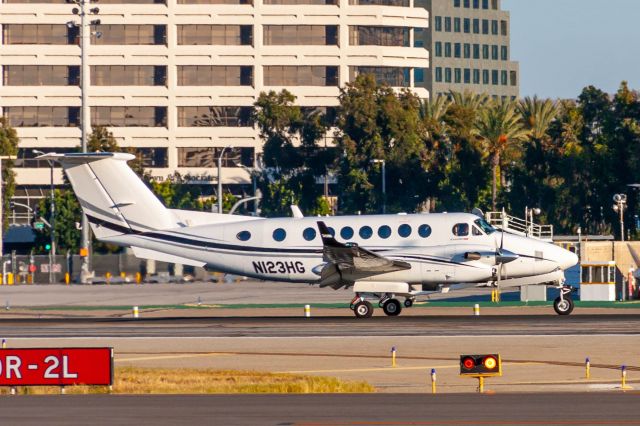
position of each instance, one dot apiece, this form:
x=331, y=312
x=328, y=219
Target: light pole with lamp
x=85, y=120
x=384, y=183
x=528, y=217
x=220, y=178
x=52, y=216
x=619, y=207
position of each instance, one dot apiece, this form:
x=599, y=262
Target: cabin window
x=332, y=231
x=279, y=234
x=404, y=230
x=346, y=233
x=243, y=235
x=365, y=232
x=460, y=229
x=384, y=231
x=424, y=231
x=309, y=234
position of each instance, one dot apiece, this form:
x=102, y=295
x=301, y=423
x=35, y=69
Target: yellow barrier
x=433, y=380
x=138, y=277
x=67, y=278
x=393, y=356
x=108, y=277
x=9, y=278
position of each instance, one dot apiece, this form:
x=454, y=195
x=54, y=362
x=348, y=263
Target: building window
x=319, y=2
x=504, y=78
x=457, y=75
x=456, y=3
x=438, y=49
x=42, y=116
x=485, y=4
x=494, y=4
x=41, y=75
x=494, y=27
x=485, y=26
x=447, y=50
x=438, y=23
x=467, y=76
x=378, y=36
x=132, y=2
x=215, y=116
x=218, y=2
x=438, y=74
x=504, y=53
x=456, y=25
x=208, y=157
x=393, y=76
x=476, y=4
x=467, y=50
x=215, y=75
x=467, y=25
x=418, y=75
x=39, y=34
x=514, y=78
x=153, y=157
x=457, y=50
x=115, y=34
x=418, y=37
x=447, y=75
x=401, y=3
x=128, y=75
x=485, y=51
x=494, y=52
x=300, y=75
x=129, y=116
x=282, y=35
x=219, y=35
x=504, y=28
x=467, y=4
x=476, y=76
x=494, y=77
x=476, y=26
x=447, y=24
x=476, y=51
x=485, y=77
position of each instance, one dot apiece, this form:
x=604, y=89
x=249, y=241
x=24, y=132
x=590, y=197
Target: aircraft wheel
x=408, y=303
x=363, y=309
x=392, y=308
x=564, y=306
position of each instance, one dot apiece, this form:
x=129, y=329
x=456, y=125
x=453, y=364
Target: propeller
x=502, y=257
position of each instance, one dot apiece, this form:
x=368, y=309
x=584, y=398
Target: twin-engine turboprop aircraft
x=406, y=256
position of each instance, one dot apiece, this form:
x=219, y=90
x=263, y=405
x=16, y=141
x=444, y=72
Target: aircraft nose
x=566, y=259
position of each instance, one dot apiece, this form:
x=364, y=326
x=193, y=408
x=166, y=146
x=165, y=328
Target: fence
x=35, y=269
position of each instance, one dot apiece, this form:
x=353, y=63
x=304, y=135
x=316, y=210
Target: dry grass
x=132, y=380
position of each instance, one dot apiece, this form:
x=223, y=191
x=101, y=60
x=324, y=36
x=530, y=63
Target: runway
x=324, y=410
x=500, y=325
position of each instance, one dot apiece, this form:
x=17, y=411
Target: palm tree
x=537, y=116
x=432, y=112
x=470, y=100
x=500, y=128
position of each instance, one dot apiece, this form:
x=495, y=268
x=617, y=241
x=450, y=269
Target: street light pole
x=384, y=183
x=220, y=178
x=2, y=157
x=620, y=201
x=52, y=217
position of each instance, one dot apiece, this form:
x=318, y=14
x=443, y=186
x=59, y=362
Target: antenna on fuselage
x=297, y=213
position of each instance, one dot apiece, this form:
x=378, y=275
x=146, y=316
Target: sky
x=566, y=45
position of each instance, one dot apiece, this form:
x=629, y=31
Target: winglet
x=327, y=238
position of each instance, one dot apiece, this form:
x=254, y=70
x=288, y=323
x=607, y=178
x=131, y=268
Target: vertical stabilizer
x=113, y=197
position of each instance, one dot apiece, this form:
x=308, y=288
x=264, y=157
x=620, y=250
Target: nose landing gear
x=563, y=305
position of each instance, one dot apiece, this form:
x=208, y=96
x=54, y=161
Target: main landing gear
x=389, y=304
x=563, y=305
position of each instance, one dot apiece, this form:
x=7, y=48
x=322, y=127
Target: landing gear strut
x=563, y=305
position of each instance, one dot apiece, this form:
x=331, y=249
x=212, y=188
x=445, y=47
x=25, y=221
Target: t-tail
x=113, y=197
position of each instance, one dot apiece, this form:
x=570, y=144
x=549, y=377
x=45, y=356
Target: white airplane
x=406, y=255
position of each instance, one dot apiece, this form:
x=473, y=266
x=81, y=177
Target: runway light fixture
x=480, y=365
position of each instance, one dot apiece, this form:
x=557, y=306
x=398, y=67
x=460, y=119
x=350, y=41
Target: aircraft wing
x=352, y=259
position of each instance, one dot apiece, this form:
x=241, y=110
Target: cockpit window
x=484, y=225
x=460, y=229
x=475, y=231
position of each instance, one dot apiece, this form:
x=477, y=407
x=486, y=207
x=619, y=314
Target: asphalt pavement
x=323, y=410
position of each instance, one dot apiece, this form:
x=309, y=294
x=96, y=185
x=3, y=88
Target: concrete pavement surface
x=323, y=410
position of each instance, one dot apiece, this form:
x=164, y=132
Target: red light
x=490, y=362
x=468, y=363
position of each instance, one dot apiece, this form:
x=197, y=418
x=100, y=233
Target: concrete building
x=176, y=78
x=470, y=49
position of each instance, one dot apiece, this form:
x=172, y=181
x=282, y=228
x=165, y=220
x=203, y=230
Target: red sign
x=56, y=366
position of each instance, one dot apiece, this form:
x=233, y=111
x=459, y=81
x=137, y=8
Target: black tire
x=408, y=303
x=363, y=309
x=563, y=307
x=392, y=308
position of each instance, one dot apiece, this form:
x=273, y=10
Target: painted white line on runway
x=158, y=357
x=392, y=369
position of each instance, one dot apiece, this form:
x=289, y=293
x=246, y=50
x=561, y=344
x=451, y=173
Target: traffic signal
x=47, y=247
x=480, y=365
